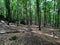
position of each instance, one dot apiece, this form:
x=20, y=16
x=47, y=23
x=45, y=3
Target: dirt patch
x=27, y=38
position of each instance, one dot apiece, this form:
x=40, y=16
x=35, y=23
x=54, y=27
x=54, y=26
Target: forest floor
x=45, y=33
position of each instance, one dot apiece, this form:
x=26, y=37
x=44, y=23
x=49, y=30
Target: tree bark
x=45, y=13
x=38, y=14
x=30, y=14
x=8, y=11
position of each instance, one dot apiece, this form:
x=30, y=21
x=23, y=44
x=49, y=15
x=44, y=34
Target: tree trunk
x=38, y=14
x=45, y=13
x=8, y=11
x=30, y=14
x=58, y=15
x=27, y=18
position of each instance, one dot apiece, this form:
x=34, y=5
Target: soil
x=30, y=35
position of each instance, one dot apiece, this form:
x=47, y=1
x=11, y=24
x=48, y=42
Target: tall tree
x=27, y=18
x=17, y=12
x=58, y=15
x=45, y=13
x=8, y=11
x=54, y=16
x=38, y=13
x=30, y=13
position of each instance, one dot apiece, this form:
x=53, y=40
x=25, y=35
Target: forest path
x=46, y=33
x=47, y=36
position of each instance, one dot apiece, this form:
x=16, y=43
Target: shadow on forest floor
x=30, y=36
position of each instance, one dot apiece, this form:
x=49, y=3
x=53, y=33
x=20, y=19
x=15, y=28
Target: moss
x=13, y=38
